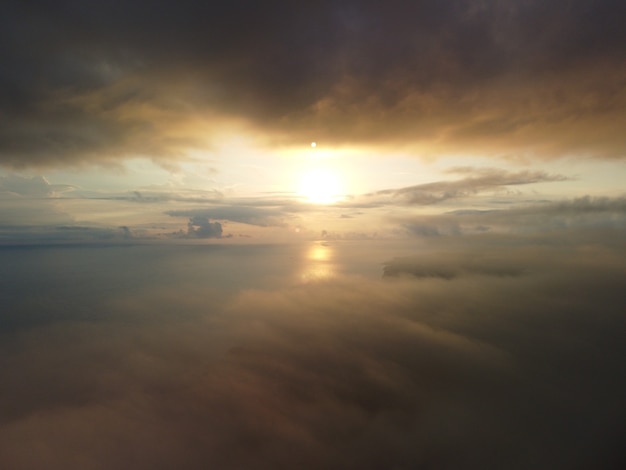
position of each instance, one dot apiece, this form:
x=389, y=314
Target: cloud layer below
x=220, y=356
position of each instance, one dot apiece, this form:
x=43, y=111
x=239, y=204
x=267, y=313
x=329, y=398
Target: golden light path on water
x=318, y=262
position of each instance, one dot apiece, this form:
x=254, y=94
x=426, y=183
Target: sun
x=320, y=186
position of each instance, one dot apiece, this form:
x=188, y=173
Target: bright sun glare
x=320, y=186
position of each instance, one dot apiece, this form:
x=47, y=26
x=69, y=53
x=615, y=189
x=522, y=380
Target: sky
x=340, y=234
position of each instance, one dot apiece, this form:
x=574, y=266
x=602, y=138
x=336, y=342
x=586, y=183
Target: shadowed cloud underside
x=98, y=82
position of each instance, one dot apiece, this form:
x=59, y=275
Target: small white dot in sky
x=313, y=144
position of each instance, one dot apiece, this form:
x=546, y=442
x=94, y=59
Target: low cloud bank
x=515, y=361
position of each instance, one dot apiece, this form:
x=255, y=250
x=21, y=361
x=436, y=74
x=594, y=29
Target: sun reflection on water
x=318, y=263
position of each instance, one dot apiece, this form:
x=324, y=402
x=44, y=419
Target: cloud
x=477, y=180
x=201, y=227
x=449, y=267
x=162, y=80
x=572, y=218
x=166, y=368
x=26, y=199
x=30, y=186
x=71, y=234
x=236, y=213
x=176, y=194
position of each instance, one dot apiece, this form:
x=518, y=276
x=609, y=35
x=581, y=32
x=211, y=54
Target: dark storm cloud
x=101, y=80
x=159, y=370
